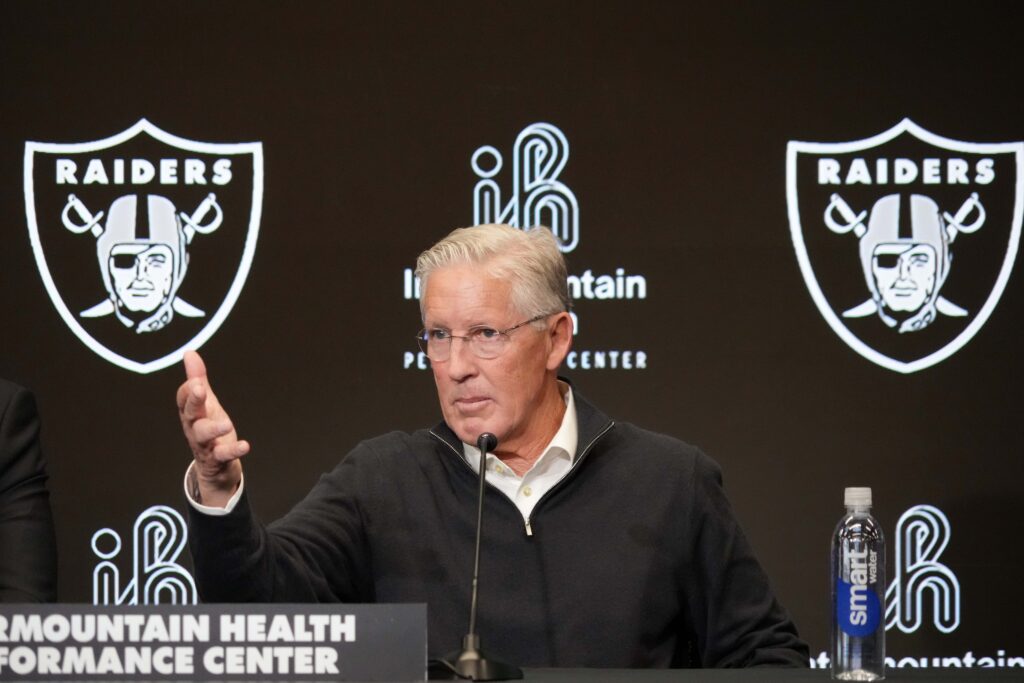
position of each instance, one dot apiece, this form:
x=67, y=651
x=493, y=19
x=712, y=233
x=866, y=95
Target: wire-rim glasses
x=485, y=342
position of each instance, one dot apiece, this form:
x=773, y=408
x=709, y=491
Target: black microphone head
x=487, y=442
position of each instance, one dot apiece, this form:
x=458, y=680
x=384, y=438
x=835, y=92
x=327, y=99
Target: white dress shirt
x=553, y=464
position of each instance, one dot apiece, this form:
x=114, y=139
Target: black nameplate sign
x=211, y=642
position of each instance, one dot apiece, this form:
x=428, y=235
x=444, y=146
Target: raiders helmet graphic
x=905, y=254
x=905, y=240
x=142, y=259
x=143, y=240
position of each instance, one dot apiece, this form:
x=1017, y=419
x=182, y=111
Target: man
x=142, y=275
x=28, y=552
x=604, y=545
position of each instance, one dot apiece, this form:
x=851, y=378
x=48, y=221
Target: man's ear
x=560, y=339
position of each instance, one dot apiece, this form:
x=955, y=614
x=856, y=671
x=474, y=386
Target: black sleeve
x=28, y=549
x=315, y=553
x=739, y=622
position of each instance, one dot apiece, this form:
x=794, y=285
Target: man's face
x=498, y=395
x=904, y=274
x=142, y=275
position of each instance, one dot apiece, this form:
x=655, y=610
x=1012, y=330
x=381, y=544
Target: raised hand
x=210, y=434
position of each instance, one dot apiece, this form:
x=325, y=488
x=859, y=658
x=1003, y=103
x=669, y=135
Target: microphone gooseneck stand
x=470, y=662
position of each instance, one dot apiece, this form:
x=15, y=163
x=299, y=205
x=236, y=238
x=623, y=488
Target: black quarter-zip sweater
x=634, y=559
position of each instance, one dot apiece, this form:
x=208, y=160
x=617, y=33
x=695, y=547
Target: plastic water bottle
x=858, y=592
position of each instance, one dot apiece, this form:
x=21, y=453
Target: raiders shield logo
x=144, y=239
x=906, y=240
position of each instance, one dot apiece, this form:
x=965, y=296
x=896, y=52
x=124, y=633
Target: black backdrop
x=677, y=117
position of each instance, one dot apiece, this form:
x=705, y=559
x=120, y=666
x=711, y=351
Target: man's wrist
x=216, y=502
x=192, y=485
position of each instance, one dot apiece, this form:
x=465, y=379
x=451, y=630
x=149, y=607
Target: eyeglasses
x=484, y=342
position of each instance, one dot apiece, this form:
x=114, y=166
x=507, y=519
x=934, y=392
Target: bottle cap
x=857, y=496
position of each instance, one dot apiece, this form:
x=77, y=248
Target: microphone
x=470, y=662
x=487, y=443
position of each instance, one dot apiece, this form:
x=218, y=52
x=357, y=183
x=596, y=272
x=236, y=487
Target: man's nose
x=461, y=361
x=904, y=268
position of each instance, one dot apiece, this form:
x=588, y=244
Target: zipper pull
x=529, y=529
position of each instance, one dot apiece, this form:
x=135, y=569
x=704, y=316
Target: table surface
x=767, y=675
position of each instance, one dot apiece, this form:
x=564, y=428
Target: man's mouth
x=470, y=404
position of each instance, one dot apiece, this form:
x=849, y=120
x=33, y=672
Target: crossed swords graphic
x=193, y=223
x=855, y=221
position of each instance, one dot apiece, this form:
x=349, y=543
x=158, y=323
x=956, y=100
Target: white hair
x=529, y=260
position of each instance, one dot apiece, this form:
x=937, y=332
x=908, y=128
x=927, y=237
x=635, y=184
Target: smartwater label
x=858, y=606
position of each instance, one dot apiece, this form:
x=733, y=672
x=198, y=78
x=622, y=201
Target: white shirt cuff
x=206, y=509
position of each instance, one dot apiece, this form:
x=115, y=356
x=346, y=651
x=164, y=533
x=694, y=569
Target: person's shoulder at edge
x=28, y=521
x=8, y=390
x=18, y=411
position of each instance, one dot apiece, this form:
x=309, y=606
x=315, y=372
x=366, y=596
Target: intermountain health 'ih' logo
x=158, y=537
x=144, y=239
x=538, y=197
x=922, y=535
x=876, y=224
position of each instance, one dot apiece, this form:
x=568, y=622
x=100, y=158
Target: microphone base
x=472, y=664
